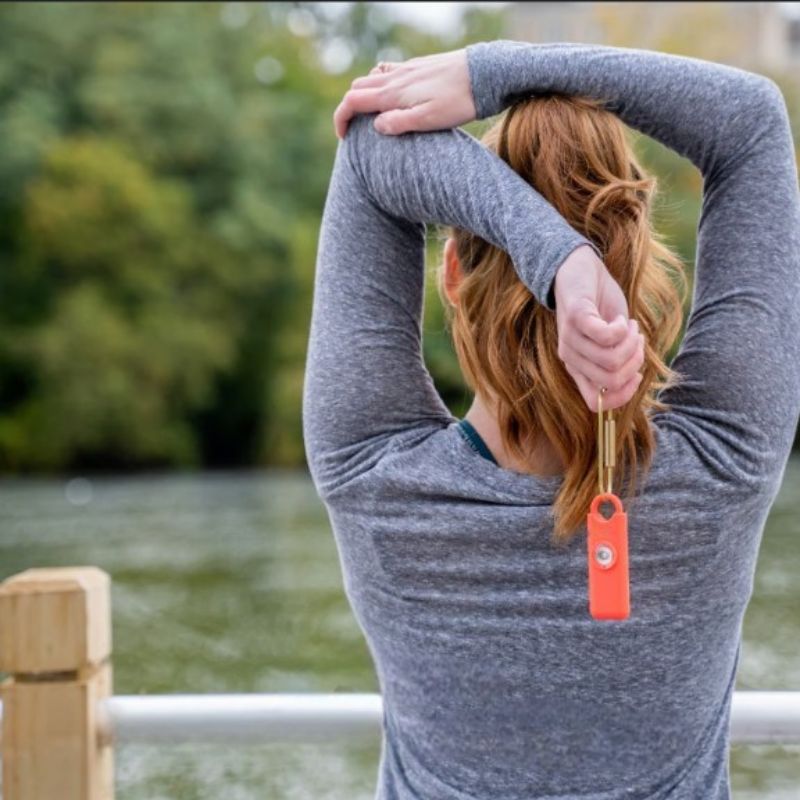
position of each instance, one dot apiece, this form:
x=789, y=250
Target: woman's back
x=496, y=681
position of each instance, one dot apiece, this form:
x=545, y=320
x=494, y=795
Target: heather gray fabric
x=497, y=684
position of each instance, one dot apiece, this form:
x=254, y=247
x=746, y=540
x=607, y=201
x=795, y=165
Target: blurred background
x=163, y=170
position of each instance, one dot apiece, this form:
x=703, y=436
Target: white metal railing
x=241, y=717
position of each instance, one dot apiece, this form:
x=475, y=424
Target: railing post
x=55, y=640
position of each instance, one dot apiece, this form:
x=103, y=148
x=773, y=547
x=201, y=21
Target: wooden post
x=55, y=640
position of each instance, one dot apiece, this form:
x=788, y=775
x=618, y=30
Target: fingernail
x=380, y=126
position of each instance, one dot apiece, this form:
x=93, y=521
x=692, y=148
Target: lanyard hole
x=606, y=504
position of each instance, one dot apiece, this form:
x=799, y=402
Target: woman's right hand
x=597, y=342
x=427, y=93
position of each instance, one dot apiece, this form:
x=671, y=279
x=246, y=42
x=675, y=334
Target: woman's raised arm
x=366, y=384
x=703, y=110
x=739, y=402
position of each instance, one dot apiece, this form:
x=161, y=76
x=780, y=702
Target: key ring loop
x=606, y=445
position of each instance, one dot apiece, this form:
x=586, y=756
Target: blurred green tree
x=163, y=169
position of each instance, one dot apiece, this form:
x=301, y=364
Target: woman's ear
x=452, y=271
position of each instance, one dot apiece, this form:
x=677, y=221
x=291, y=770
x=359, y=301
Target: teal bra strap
x=474, y=439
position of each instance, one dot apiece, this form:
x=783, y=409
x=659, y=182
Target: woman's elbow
x=762, y=105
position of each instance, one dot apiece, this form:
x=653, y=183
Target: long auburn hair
x=576, y=154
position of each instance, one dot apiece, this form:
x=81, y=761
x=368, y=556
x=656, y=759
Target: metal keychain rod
x=606, y=445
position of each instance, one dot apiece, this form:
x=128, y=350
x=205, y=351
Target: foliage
x=157, y=200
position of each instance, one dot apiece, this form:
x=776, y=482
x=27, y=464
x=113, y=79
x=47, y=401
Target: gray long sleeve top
x=497, y=683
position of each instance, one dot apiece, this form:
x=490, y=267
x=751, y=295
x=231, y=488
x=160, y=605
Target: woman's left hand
x=422, y=94
x=597, y=341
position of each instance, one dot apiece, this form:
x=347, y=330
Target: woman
x=496, y=681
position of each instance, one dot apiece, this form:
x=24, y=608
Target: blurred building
x=760, y=36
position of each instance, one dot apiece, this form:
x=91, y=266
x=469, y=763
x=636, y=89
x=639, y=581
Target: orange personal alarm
x=607, y=542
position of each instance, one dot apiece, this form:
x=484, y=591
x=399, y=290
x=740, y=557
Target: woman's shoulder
x=686, y=453
x=441, y=462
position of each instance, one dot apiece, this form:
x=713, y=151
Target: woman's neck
x=543, y=461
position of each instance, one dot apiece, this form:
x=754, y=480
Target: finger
x=611, y=399
x=369, y=81
x=402, y=120
x=600, y=331
x=616, y=398
x=601, y=376
x=340, y=120
x=384, y=67
x=359, y=101
x=585, y=387
x=608, y=359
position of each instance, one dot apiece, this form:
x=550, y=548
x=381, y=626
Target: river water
x=230, y=582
